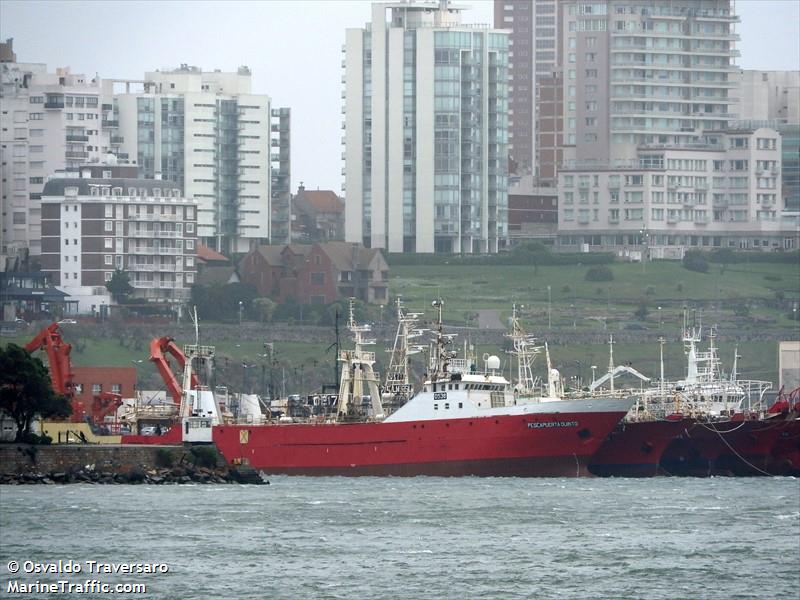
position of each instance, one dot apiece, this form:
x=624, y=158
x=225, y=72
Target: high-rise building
x=426, y=106
x=207, y=132
x=50, y=122
x=532, y=56
x=645, y=72
x=281, y=176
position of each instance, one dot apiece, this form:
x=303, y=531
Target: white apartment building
x=426, y=131
x=207, y=132
x=93, y=225
x=769, y=96
x=723, y=193
x=49, y=122
x=645, y=72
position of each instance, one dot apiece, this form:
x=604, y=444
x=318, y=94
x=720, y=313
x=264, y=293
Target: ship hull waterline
x=724, y=448
x=542, y=445
x=634, y=449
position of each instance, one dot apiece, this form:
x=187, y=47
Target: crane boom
x=57, y=351
x=159, y=347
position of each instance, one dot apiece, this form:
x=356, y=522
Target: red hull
x=635, y=449
x=724, y=448
x=491, y=446
x=786, y=451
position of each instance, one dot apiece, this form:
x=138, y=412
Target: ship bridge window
x=460, y=405
x=435, y=407
x=446, y=405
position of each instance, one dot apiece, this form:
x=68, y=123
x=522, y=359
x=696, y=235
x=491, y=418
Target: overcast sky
x=293, y=48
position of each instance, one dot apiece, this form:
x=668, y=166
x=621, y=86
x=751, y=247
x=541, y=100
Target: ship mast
x=526, y=351
x=397, y=386
x=359, y=398
x=440, y=356
x=611, y=361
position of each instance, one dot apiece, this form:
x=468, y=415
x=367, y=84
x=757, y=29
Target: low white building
x=722, y=193
x=93, y=225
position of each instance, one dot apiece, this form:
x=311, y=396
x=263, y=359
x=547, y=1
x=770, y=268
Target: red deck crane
x=49, y=339
x=166, y=345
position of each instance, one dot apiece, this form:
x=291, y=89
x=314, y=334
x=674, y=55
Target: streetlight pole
x=644, y=234
x=549, y=304
x=241, y=308
x=659, y=318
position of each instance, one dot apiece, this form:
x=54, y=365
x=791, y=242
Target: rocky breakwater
x=114, y=465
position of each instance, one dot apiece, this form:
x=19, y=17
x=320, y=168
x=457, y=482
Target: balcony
x=111, y=124
x=74, y=137
x=55, y=102
x=154, y=217
x=147, y=268
x=76, y=154
x=172, y=235
x=117, y=139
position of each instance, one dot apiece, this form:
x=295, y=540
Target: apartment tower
x=426, y=106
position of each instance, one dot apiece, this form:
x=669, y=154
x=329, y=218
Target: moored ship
x=465, y=420
x=635, y=447
x=730, y=436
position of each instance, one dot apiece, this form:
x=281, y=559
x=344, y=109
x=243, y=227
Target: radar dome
x=493, y=363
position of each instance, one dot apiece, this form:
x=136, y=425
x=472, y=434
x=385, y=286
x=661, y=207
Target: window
x=107, y=260
x=190, y=244
x=97, y=388
x=109, y=226
x=116, y=388
x=318, y=278
x=190, y=228
x=108, y=243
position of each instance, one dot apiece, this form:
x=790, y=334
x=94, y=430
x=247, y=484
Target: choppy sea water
x=419, y=538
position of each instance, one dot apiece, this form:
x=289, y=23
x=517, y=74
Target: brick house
x=90, y=381
x=317, y=274
x=317, y=216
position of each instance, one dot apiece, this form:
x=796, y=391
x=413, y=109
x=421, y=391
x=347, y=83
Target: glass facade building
x=426, y=105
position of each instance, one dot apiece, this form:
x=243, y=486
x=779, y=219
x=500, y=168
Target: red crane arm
x=158, y=348
x=58, y=361
x=105, y=403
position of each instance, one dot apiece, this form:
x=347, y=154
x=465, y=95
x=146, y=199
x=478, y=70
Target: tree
x=265, y=308
x=119, y=285
x=641, y=312
x=26, y=391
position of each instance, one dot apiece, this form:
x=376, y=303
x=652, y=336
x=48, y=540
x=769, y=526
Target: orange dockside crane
x=49, y=339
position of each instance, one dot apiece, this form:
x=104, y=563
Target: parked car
x=67, y=322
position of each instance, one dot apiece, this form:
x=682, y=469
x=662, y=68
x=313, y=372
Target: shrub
x=599, y=273
x=204, y=456
x=650, y=290
x=164, y=458
x=679, y=287
x=741, y=310
x=694, y=261
x=566, y=289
